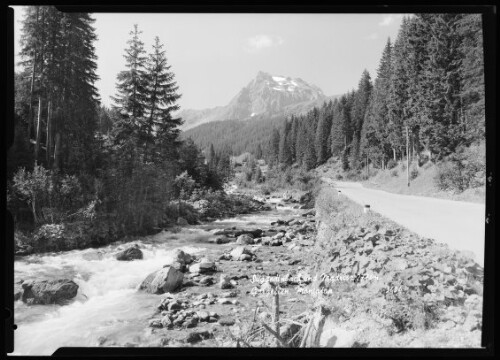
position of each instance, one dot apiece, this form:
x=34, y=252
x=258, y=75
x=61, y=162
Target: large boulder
x=162, y=281
x=182, y=222
x=131, y=253
x=48, y=291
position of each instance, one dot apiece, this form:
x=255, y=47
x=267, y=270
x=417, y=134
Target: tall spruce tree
x=131, y=97
x=472, y=111
x=285, y=151
x=374, y=144
x=57, y=51
x=159, y=128
x=322, y=148
x=360, y=104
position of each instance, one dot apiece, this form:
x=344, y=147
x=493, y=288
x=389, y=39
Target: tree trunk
x=48, y=144
x=57, y=151
x=38, y=130
x=32, y=87
x=407, y=157
x=394, y=153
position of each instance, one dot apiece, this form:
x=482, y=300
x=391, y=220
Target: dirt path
x=459, y=224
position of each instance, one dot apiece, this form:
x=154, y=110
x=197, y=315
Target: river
x=108, y=305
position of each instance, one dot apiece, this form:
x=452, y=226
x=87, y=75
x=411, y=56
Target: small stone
x=173, y=307
x=155, y=323
x=203, y=315
x=238, y=251
x=207, y=280
x=224, y=301
x=266, y=240
x=245, y=257
x=226, y=321
x=166, y=322
x=225, y=282
x=191, y=322
x=198, y=336
x=229, y=294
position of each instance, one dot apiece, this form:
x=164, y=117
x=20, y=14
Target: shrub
x=352, y=175
x=339, y=177
x=267, y=189
x=413, y=173
x=462, y=170
x=427, y=165
x=184, y=185
x=403, y=166
x=364, y=176
x=51, y=196
x=394, y=172
x=391, y=164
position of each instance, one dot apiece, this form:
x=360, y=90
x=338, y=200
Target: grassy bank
x=423, y=184
x=430, y=179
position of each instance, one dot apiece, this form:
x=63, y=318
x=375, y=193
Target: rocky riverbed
x=366, y=280
x=221, y=270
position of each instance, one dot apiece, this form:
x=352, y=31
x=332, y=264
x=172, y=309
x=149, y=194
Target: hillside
x=239, y=136
x=423, y=180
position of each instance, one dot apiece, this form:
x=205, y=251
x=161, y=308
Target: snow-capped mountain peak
x=266, y=95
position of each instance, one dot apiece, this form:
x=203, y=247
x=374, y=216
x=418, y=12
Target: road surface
x=459, y=224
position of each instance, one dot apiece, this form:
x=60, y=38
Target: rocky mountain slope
x=267, y=95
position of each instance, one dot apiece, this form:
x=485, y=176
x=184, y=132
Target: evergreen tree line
x=429, y=92
x=72, y=157
x=238, y=136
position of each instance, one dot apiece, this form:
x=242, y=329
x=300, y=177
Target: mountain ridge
x=265, y=95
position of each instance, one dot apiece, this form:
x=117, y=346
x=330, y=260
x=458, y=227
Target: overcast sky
x=214, y=55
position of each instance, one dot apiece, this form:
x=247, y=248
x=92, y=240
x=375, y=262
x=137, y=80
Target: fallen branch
x=278, y=338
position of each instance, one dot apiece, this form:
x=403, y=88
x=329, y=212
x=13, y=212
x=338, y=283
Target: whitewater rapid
x=108, y=310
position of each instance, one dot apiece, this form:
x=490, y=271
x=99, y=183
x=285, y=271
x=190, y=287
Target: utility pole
x=407, y=158
x=367, y=169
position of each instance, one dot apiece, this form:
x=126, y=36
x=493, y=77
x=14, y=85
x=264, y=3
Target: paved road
x=459, y=224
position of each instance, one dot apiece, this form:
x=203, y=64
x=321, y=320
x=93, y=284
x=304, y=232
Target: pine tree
x=274, y=146
x=472, y=112
x=159, y=127
x=360, y=104
x=398, y=91
x=131, y=96
x=285, y=152
x=374, y=144
x=258, y=152
x=57, y=50
x=322, y=147
x=441, y=129
x=310, y=159
x=211, y=158
x=337, y=136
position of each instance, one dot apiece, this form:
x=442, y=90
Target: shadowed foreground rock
x=164, y=280
x=47, y=291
